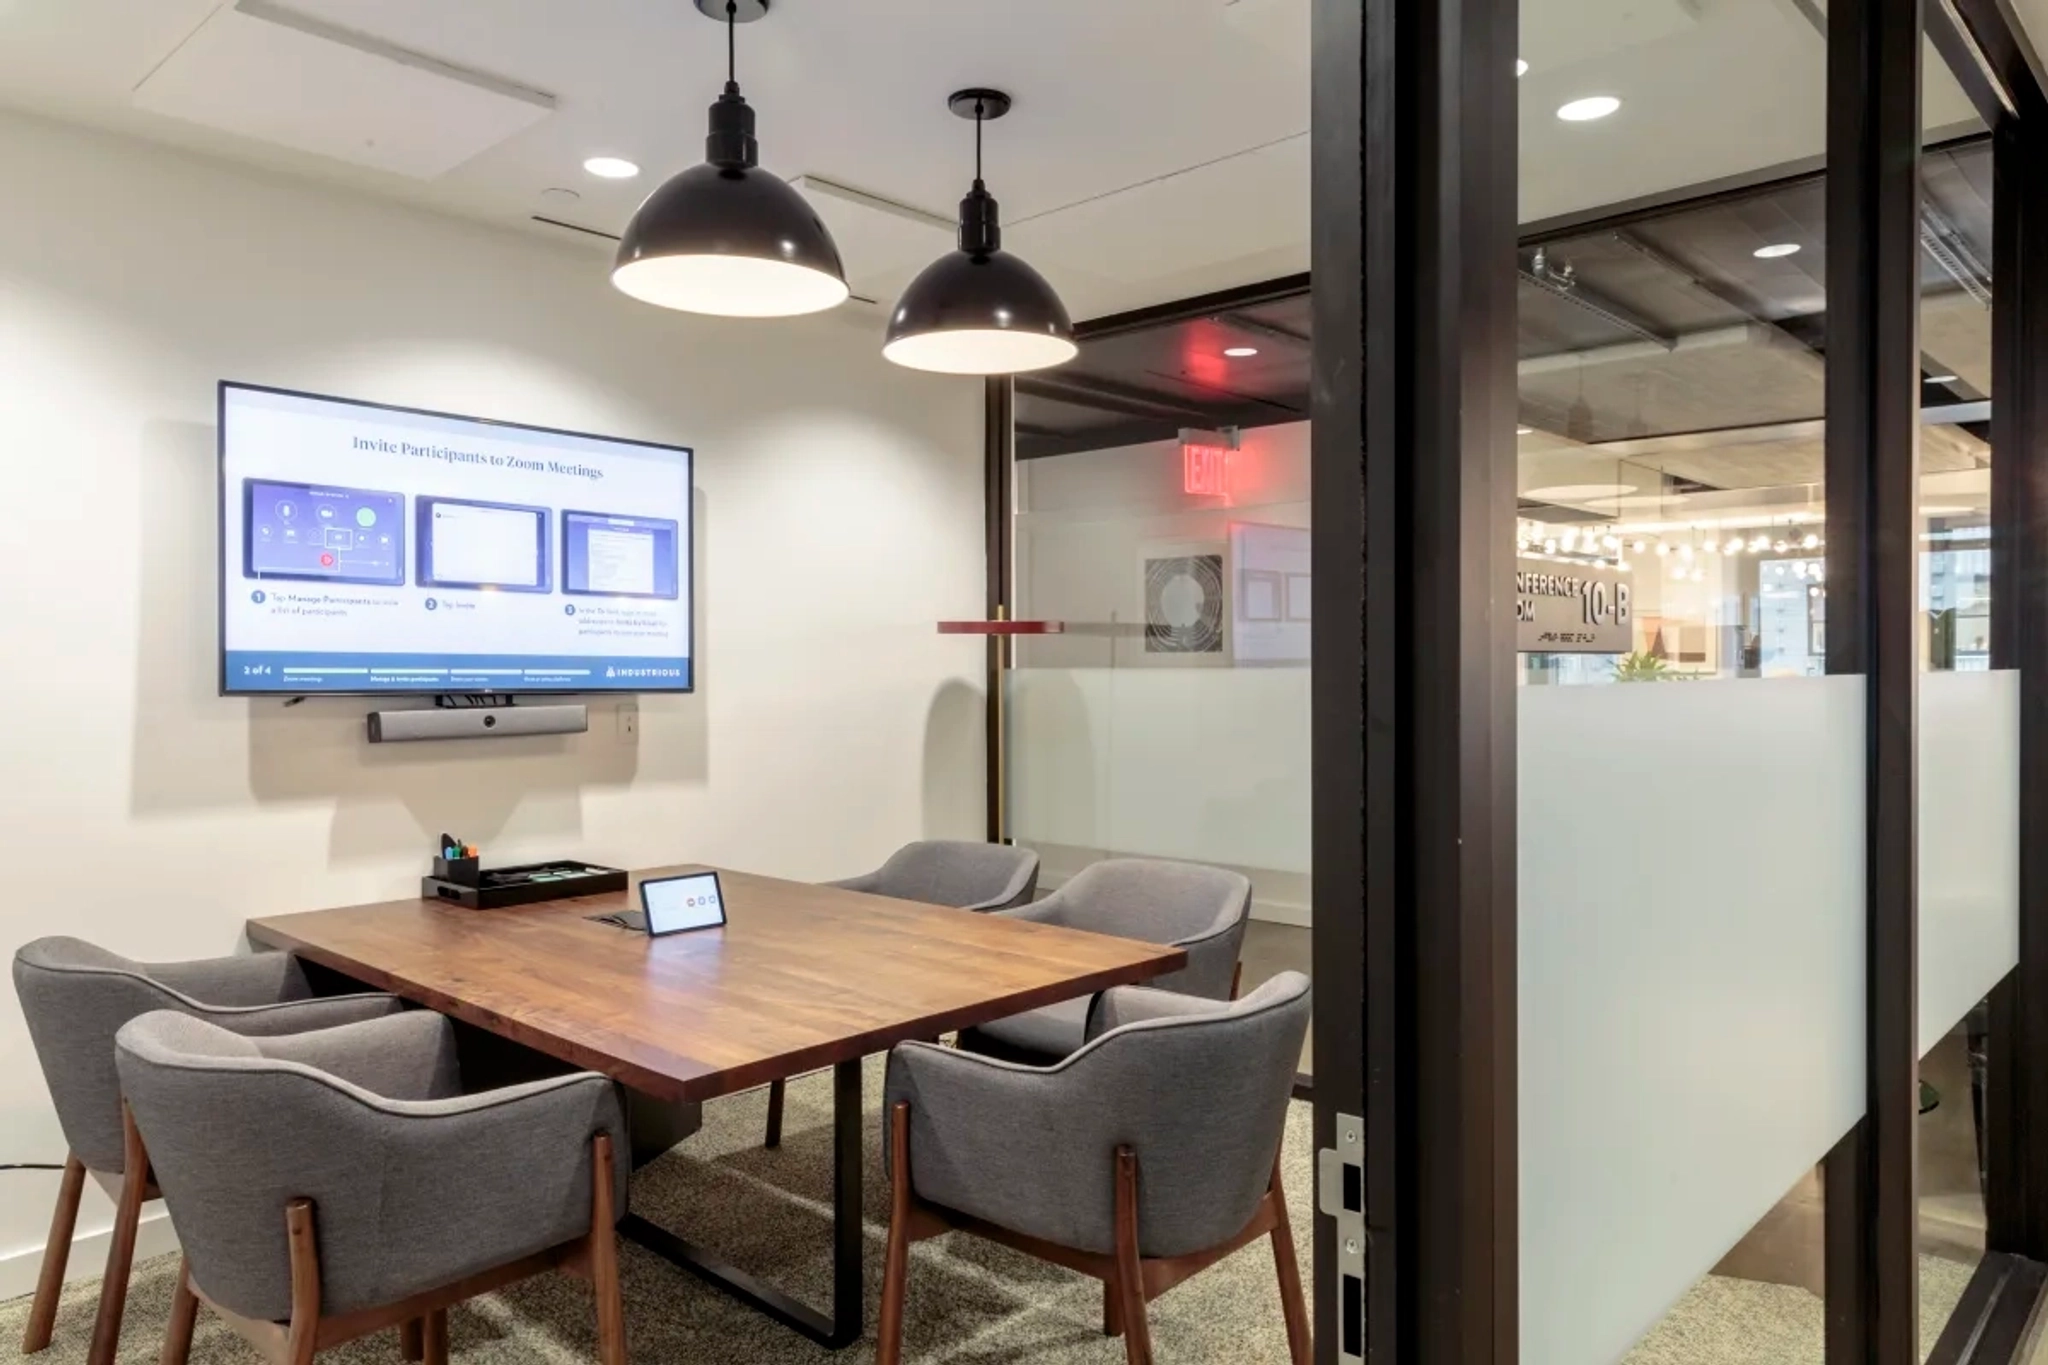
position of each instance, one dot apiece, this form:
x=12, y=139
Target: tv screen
x=370, y=549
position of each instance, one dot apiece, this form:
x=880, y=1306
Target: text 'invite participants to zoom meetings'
x=389, y=550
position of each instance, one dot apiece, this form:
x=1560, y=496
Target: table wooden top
x=800, y=977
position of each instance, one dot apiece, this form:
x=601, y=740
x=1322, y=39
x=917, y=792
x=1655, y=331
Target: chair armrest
x=1007, y=901
x=869, y=882
x=1137, y=1004
x=1212, y=962
x=1051, y=910
x=299, y=1016
x=406, y=1056
x=250, y=979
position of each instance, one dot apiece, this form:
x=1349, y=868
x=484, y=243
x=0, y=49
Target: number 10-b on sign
x=1604, y=603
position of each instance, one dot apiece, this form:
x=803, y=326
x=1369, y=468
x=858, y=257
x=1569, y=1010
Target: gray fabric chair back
x=413, y=1185
x=1204, y=909
x=1198, y=1090
x=958, y=873
x=77, y=996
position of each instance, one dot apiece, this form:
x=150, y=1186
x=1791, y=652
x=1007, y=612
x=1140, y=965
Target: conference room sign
x=1573, y=608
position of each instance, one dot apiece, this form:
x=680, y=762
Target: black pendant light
x=727, y=237
x=980, y=310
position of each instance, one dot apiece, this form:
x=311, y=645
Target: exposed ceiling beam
x=1560, y=283
x=1262, y=328
x=1108, y=396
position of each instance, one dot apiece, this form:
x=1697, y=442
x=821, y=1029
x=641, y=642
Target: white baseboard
x=1282, y=912
x=19, y=1270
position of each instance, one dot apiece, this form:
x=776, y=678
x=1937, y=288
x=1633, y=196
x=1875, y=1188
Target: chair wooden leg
x=106, y=1328
x=604, y=1259
x=433, y=1338
x=1112, y=1310
x=896, y=1263
x=302, y=1339
x=411, y=1335
x=1130, y=1273
x=1236, y=981
x=1300, y=1342
x=42, y=1315
x=777, y=1092
x=184, y=1314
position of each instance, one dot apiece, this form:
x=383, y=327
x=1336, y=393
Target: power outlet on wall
x=629, y=721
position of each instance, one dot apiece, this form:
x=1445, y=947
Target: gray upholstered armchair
x=1144, y=1157
x=330, y=1184
x=1187, y=905
x=964, y=875
x=967, y=876
x=75, y=997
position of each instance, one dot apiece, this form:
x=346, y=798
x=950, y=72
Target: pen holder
x=461, y=871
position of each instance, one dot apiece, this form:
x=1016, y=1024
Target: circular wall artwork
x=1184, y=605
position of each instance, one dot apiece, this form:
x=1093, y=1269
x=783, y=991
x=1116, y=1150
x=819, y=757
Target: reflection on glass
x=1968, y=728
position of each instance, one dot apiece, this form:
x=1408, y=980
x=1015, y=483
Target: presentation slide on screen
x=372, y=550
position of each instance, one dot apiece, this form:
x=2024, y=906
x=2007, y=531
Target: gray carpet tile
x=1731, y=1320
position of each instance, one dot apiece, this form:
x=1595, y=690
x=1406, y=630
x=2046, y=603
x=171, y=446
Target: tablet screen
x=674, y=904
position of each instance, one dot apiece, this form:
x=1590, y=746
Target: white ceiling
x=1158, y=147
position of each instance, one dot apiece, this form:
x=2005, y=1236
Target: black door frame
x=1414, y=403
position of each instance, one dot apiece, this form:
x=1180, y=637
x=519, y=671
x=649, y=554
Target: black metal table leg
x=848, y=1318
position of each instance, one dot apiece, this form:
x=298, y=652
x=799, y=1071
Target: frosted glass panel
x=1969, y=842
x=1691, y=983
x=1206, y=764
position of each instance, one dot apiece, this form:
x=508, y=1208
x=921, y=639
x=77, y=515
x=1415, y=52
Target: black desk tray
x=499, y=887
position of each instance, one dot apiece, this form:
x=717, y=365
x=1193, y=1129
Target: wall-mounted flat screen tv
x=376, y=550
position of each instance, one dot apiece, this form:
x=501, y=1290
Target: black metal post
x=998, y=449
x=1873, y=430
x=1414, y=167
x=848, y=1287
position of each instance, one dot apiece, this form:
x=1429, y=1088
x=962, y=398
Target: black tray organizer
x=461, y=882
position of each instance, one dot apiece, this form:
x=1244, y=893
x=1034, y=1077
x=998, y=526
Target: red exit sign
x=1205, y=470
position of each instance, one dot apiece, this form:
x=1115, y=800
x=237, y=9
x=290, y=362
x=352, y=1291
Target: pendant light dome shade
x=727, y=237
x=737, y=242
x=980, y=313
x=980, y=310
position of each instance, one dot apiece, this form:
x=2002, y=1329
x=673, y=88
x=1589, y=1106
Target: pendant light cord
x=979, y=115
x=732, y=51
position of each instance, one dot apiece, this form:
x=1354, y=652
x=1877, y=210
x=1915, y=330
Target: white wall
x=839, y=518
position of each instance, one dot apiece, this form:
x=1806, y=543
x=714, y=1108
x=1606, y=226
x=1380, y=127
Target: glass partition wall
x=1166, y=716
x=1696, y=787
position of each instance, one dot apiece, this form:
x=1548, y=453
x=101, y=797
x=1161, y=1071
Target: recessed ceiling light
x=1240, y=352
x=611, y=168
x=1588, y=109
x=1521, y=66
x=1775, y=250
x=1941, y=379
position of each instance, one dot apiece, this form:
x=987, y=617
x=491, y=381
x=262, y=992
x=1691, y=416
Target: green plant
x=1644, y=667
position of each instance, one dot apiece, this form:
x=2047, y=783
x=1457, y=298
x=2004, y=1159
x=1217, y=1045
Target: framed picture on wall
x=1270, y=626
x=1184, y=589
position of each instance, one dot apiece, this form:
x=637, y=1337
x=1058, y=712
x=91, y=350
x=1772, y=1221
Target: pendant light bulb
x=726, y=237
x=980, y=310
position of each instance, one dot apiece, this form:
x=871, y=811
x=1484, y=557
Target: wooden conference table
x=800, y=977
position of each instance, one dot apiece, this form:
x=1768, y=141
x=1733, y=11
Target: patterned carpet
x=970, y=1303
